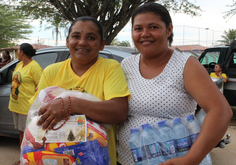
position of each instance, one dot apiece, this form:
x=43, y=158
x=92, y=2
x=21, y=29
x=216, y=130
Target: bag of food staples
x=78, y=133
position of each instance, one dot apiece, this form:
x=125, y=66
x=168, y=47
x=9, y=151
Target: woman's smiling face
x=150, y=34
x=84, y=42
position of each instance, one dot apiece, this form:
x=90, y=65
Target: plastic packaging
x=91, y=137
x=194, y=129
x=182, y=138
x=168, y=145
x=88, y=153
x=173, y=137
x=135, y=146
x=47, y=158
x=206, y=160
x=151, y=147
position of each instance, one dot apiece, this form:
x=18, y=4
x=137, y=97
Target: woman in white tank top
x=164, y=84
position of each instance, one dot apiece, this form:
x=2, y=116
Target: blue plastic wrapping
x=89, y=153
x=163, y=141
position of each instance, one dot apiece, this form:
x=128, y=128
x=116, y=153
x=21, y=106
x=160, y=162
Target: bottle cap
x=190, y=117
x=134, y=130
x=177, y=120
x=146, y=126
x=162, y=123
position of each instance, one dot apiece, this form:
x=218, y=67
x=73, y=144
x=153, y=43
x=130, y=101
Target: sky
x=204, y=30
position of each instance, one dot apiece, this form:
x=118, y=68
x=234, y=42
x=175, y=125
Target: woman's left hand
x=51, y=114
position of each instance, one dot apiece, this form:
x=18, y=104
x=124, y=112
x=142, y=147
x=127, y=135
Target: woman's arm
x=112, y=111
x=224, y=77
x=200, y=86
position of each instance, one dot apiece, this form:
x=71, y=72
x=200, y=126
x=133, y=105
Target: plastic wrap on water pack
x=155, y=143
x=78, y=141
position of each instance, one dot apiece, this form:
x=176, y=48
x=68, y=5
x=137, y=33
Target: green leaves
x=113, y=14
x=230, y=13
x=57, y=23
x=116, y=42
x=228, y=37
x=13, y=26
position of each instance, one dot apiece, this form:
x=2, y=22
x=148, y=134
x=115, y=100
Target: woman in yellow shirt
x=24, y=82
x=218, y=73
x=85, y=71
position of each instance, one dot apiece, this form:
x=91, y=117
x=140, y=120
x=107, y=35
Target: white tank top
x=152, y=100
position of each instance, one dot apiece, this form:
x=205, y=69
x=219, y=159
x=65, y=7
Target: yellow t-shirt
x=213, y=74
x=24, y=83
x=105, y=79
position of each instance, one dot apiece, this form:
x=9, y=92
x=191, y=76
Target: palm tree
x=56, y=24
x=228, y=37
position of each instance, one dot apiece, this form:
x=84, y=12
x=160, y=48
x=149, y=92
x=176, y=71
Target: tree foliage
x=228, y=37
x=13, y=26
x=229, y=14
x=57, y=24
x=124, y=43
x=113, y=14
x=116, y=42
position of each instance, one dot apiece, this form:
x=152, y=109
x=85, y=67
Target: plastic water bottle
x=150, y=145
x=182, y=138
x=135, y=146
x=206, y=160
x=167, y=136
x=194, y=129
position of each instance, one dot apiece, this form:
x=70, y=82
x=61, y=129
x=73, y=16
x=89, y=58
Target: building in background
x=194, y=50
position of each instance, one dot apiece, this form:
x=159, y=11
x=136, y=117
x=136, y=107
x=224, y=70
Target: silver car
x=44, y=57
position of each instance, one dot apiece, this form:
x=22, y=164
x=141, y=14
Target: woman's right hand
x=51, y=114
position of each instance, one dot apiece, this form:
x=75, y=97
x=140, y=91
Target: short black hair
x=219, y=65
x=27, y=49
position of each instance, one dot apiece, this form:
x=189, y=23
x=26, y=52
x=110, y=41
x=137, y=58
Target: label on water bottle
x=193, y=137
x=168, y=147
x=137, y=154
x=152, y=150
x=143, y=152
x=183, y=144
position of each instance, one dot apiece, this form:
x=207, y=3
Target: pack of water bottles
x=158, y=142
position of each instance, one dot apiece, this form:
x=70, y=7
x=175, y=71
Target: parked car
x=226, y=56
x=44, y=57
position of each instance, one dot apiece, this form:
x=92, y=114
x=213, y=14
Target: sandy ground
x=226, y=156
x=10, y=152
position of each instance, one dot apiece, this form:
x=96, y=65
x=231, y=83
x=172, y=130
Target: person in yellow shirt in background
x=25, y=79
x=218, y=73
